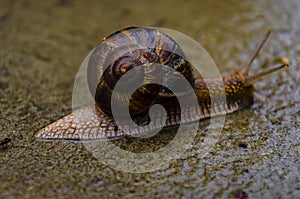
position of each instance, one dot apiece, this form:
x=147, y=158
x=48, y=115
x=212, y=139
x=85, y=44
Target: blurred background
x=42, y=44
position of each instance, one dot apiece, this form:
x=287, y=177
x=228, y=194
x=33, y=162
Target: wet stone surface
x=42, y=45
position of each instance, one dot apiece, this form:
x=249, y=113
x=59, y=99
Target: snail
x=96, y=121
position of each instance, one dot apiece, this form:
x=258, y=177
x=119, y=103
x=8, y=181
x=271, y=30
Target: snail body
x=141, y=48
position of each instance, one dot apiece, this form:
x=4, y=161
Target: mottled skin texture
x=94, y=123
x=89, y=123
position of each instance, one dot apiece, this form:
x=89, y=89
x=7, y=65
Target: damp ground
x=43, y=43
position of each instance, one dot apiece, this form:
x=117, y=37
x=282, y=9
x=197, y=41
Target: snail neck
x=229, y=93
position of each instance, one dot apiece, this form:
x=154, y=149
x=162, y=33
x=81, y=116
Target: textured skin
x=88, y=123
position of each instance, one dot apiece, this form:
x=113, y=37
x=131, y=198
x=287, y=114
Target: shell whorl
x=126, y=51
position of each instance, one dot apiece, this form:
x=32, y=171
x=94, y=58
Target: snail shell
x=128, y=49
x=136, y=50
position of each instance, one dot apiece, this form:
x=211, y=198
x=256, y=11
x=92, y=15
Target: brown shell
x=126, y=50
